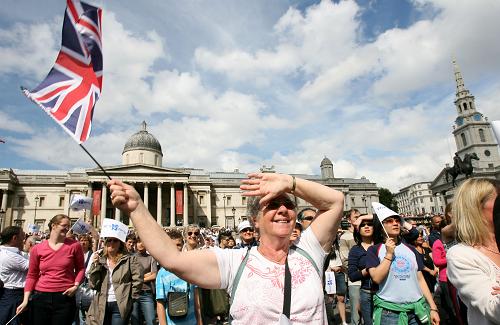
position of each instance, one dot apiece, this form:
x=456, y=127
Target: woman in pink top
x=55, y=272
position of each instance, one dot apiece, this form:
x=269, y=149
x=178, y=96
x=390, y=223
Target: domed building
x=142, y=148
x=174, y=196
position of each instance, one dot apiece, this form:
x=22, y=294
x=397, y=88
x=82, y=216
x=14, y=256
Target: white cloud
x=9, y=123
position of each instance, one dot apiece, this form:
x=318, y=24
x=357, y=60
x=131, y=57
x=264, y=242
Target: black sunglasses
x=247, y=230
x=276, y=204
x=310, y=218
x=196, y=233
x=364, y=224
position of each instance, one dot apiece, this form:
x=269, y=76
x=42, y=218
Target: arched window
x=465, y=106
x=141, y=157
x=470, y=105
x=464, y=140
x=481, y=135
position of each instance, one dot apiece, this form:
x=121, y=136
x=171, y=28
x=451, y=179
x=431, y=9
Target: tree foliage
x=387, y=198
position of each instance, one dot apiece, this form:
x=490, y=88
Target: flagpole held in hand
x=88, y=153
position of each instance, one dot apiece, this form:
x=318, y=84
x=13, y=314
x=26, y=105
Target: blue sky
x=241, y=84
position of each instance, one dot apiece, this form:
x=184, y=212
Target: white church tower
x=472, y=131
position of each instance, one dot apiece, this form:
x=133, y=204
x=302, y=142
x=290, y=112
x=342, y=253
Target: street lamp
x=225, y=216
x=2, y=216
x=36, y=204
x=234, y=211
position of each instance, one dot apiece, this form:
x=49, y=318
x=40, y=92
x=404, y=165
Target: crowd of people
x=269, y=269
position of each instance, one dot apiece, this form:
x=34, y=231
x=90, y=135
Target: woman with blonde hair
x=117, y=277
x=191, y=238
x=474, y=263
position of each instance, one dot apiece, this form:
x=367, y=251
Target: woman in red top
x=56, y=270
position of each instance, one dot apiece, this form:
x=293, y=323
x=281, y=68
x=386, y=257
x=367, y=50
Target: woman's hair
x=175, y=234
x=378, y=231
x=447, y=212
x=56, y=220
x=471, y=226
x=86, y=237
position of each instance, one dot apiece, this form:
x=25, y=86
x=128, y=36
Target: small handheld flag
x=80, y=227
x=383, y=213
x=80, y=202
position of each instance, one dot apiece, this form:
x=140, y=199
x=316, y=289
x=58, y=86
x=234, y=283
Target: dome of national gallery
x=142, y=148
x=142, y=140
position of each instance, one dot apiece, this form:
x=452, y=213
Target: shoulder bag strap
x=306, y=255
x=288, y=290
x=237, y=280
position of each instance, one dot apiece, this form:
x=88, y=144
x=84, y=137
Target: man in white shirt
x=13, y=270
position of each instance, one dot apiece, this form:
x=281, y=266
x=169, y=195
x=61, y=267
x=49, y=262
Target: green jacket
x=419, y=307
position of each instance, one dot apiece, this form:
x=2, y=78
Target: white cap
x=383, y=212
x=244, y=224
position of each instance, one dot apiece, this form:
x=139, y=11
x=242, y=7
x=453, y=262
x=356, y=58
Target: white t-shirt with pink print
x=259, y=295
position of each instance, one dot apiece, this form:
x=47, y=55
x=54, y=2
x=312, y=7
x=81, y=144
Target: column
x=194, y=202
x=209, y=208
x=104, y=197
x=185, y=221
x=67, y=198
x=146, y=195
x=159, y=211
x=89, y=217
x=172, y=205
x=118, y=215
x=4, y=209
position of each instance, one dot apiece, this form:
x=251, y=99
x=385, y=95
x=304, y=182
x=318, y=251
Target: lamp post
x=36, y=204
x=2, y=216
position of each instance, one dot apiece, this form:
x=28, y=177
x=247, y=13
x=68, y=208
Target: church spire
x=461, y=90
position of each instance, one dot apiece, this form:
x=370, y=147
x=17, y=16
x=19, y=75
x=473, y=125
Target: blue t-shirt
x=401, y=284
x=166, y=282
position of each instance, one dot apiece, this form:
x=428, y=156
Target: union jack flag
x=73, y=86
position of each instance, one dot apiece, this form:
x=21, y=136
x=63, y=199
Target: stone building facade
x=418, y=199
x=174, y=196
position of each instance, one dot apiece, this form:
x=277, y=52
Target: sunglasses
x=391, y=220
x=276, y=204
x=308, y=218
x=247, y=230
x=196, y=233
x=364, y=224
x=112, y=240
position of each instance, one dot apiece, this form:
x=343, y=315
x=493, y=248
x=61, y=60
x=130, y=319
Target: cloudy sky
x=227, y=84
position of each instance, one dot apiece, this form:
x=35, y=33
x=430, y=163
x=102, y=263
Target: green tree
x=387, y=198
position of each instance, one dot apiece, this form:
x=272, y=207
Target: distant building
x=174, y=196
x=417, y=199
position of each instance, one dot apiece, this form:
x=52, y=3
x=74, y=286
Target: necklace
x=275, y=260
x=490, y=250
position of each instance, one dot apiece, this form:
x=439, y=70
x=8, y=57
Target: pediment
x=138, y=169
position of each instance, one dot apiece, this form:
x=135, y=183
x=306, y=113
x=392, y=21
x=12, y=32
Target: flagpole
x=88, y=153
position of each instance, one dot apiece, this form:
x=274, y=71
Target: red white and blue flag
x=73, y=86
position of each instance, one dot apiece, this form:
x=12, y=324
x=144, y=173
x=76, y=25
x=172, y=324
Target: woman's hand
x=124, y=196
x=22, y=307
x=266, y=185
x=71, y=291
x=435, y=317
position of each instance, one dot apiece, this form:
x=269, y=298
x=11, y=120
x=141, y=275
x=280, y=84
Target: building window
x=201, y=198
x=465, y=106
x=481, y=135
x=464, y=140
x=20, y=201
x=421, y=200
x=243, y=200
x=228, y=200
x=487, y=153
x=431, y=199
x=41, y=201
x=61, y=201
x=141, y=157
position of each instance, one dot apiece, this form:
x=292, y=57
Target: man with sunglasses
x=306, y=217
x=246, y=231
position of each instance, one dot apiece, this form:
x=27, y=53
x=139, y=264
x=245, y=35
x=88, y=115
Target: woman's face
x=112, y=245
x=61, y=228
x=277, y=218
x=420, y=239
x=366, y=229
x=393, y=226
x=192, y=236
x=85, y=243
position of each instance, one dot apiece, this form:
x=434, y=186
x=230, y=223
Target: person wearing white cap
x=259, y=279
x=116, y=275
x=246, y=231
x=403, y=296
